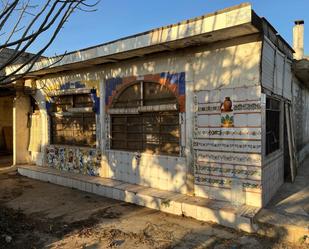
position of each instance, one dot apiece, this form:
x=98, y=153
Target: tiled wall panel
x=157, y=171
x=227, y=144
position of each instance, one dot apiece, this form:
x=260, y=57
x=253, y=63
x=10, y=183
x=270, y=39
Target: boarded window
x=156, y=131
x=272, y=125
x=70, y=128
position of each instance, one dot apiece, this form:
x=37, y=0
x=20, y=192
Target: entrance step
x=284, y=226
x=202, y=209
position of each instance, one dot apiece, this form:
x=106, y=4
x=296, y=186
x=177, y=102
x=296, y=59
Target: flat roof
x=224, y=24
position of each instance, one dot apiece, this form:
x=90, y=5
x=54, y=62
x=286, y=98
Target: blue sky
x=119, y=18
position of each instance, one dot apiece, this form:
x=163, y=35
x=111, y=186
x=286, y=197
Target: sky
x=119, y=18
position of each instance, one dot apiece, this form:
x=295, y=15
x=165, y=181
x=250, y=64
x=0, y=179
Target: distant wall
x=6, y=117
x=301, y=118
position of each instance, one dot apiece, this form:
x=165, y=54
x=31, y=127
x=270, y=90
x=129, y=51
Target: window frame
x=140, y=111
x=279, y=111
x=73, y=111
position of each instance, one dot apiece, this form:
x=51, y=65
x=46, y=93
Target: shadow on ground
x=41, y=215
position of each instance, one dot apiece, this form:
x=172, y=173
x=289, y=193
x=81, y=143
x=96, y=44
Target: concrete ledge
x=202, y=209
x=290, y=227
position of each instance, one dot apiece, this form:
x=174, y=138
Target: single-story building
x=209, y=107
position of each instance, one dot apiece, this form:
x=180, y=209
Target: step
x=202, y=209
x=282, y=225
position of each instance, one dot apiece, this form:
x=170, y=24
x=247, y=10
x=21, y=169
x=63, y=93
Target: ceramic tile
x=202, y=96
x=254, y=119
x=253, y=93
x=202, y=120
x=214, y=120
x=226, y=92
x=211, y=108
x=240, y=120
x=214, y=96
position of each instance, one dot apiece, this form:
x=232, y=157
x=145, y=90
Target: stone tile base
x=203, y=209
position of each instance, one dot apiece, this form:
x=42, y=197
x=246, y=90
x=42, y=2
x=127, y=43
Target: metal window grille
x=156, y=132
x=77, y=129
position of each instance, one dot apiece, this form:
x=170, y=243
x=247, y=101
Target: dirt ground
x=35, y=214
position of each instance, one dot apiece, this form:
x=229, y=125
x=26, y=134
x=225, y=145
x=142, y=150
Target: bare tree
x=24, y=23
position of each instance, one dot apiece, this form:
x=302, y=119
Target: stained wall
x=6, y=120
x=301, y=118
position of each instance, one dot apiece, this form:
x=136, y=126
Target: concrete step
x=201, y=209
x=284, y=226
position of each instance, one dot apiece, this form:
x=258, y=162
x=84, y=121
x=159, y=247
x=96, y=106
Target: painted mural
x=74, y=159
x=227, y=139
x=174, y=81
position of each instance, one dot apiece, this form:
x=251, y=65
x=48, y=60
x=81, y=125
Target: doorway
x=6, y=128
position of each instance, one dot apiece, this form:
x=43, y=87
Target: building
x=209, y=107
x=6, y=109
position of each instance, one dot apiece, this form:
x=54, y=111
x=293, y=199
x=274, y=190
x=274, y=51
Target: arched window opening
x=145, y=118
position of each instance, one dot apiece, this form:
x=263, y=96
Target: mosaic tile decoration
x=227, y=146
x=174, y=81
x=71, y=86
x=81, y=160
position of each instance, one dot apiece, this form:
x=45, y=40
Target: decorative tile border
x=227, y=138
x=225, y=183
x=174, y=81
x=243, y=106
x=229, y=171
x=82, y=160
x=208, y=108
x=228, y=158
x=227, y=145
x=250, y=106
x=89, y=86
x=228, y=133
x=212, y=181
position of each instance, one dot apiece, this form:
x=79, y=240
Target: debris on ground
x=37, y=215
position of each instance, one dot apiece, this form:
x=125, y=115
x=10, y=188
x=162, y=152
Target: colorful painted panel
x=74, y=159
x=174, y=81
x=57, y=88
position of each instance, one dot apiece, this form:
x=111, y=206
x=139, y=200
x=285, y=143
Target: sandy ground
x=35, y=214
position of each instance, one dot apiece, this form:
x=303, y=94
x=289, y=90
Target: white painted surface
x=205, y=24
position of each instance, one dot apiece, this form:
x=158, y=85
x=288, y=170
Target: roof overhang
x=221, y=25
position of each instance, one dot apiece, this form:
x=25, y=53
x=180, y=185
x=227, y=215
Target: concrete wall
x=6, y=117
x=21, y=110
x=301, y=118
